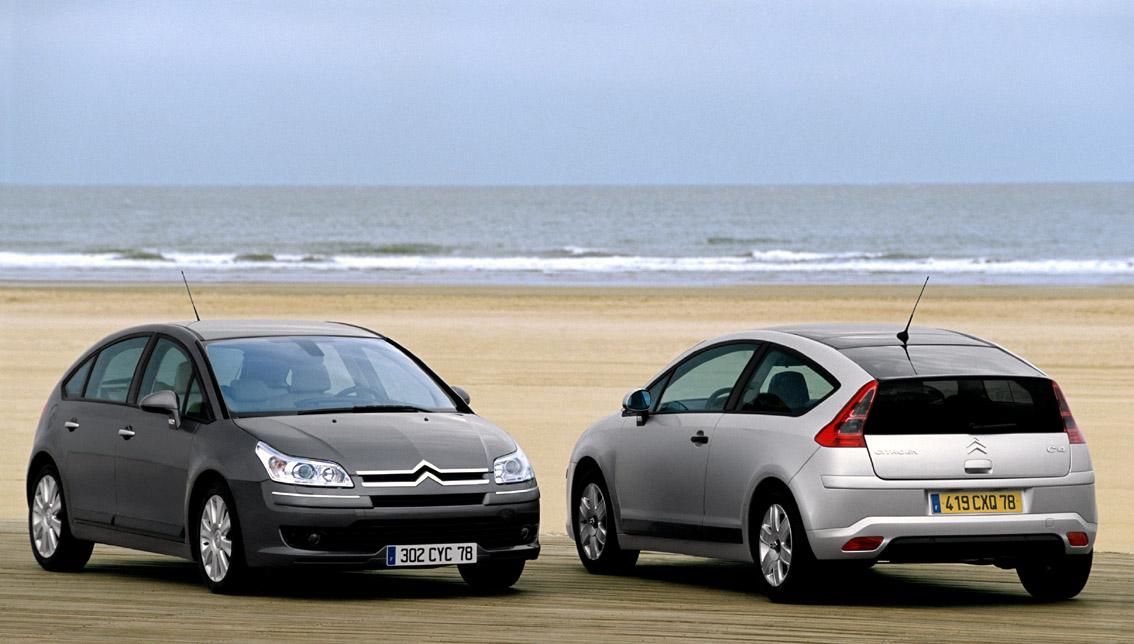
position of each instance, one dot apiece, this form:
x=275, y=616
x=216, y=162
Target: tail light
x=1074, y=434
x=846, y=429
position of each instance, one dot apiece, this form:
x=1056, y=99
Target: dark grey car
x=249, y=444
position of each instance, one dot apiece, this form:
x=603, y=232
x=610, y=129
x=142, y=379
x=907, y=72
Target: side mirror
x=163, y=402
x=637, y=403
x=464, y=395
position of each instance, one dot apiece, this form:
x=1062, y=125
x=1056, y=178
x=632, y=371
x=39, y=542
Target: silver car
x=808, y=448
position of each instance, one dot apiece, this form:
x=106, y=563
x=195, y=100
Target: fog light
x=862, y=544
x=1077, y=539
x=314, y=538
x=525, y=532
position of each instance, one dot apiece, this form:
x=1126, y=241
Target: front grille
x=422, y=471
x=949, y=549
x=425, y=500
x=505, y=530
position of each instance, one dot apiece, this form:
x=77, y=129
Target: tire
x=1058, y=579
x=52, y=543
x=216, y=542
x=492, y=576
x=596, y=534
x=785, y=566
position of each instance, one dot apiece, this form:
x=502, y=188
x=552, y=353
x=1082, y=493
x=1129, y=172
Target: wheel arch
x=40, y=459
x=196, y=491
x=768, y=485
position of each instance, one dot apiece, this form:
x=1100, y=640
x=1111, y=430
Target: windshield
x=315, y=374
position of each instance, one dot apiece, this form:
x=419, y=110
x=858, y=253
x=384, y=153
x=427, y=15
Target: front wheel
x=216, y=542
x=1056, y=579
x=596, y=538
x=780, y=548
x=492, y=576
x=53, y=545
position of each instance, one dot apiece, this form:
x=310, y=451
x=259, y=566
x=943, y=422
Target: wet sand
x=128, y=596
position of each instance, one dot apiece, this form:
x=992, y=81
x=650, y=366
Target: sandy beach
x=544, y=362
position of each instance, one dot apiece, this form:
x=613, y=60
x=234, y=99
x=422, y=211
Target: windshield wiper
x=366, y=409
x=363, y=409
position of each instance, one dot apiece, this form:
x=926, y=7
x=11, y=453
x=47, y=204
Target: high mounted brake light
x=1074, y=434
x=846, y=429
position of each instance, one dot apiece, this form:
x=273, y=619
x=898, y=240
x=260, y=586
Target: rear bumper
x=341, y=529
x=956, y=538
x=838, y=508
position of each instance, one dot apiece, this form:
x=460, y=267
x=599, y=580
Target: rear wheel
x=53, y=545
x=492, y=576
x=780, y=549
x=1056, y=579
x=217, y=547
x=596, y=536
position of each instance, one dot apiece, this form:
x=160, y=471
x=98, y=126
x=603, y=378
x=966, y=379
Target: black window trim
x=734, y=401
x=757, y=344
x=134, y=379
x=91, y=357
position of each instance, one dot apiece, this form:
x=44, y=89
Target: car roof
x=225, y=329
x=850, y=336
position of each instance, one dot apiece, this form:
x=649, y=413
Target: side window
x=113, y=370
x=170, y=368
x=785, y=383
x=704, y=381
x=73, y=388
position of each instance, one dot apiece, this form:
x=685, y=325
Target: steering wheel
x=360, y=392
x=711, y=402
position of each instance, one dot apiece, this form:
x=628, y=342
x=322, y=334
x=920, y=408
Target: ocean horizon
x=1040, y=234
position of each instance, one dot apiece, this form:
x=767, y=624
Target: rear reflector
x=1077, y=539
x=862, y=544
x=846, y=429
x=1074, y=434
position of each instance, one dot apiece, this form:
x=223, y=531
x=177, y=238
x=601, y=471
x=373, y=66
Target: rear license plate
x=976, y=502
x=438, y=554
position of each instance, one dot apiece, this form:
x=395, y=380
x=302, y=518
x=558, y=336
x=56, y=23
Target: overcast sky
x=530, y=92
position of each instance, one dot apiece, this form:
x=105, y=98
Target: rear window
x=964, y=406
x=938, y=360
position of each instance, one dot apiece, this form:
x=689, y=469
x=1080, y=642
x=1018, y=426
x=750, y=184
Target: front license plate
x=438, y=554
x=976, y=502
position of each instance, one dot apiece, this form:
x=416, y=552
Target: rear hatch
x=967, y=427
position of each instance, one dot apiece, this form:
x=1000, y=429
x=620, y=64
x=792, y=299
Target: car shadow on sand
x=304, y=583
x=883, y=585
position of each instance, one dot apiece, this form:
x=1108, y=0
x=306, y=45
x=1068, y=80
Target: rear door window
x=704, y=381
x=113, y=370
x=785, y=382
x=73, y=388
x=972, y=405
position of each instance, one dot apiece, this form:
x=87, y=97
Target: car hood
x=385, y=441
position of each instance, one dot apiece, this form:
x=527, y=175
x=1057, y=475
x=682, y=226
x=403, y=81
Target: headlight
x=513, y=468
x=301, y=471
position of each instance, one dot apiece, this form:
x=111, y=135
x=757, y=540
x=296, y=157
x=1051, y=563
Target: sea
x=1045, y=234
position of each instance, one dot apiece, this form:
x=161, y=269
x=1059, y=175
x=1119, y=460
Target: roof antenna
x=904, y=334
x=194, y=304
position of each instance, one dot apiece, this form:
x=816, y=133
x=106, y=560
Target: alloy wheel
x=215, y=544
x=592, y=521
x=46, y=506
x=775, y=545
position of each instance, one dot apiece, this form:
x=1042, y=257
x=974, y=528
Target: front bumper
x=285, y=525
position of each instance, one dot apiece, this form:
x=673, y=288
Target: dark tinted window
x=73, y=388
x=937, y=360
x=964, y=406
x=114, y=370
x=704, y=381
x=785, y=383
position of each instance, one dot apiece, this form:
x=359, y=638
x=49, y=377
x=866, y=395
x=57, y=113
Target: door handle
x=71, y=425
x=699, y=438
x=126, y=432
